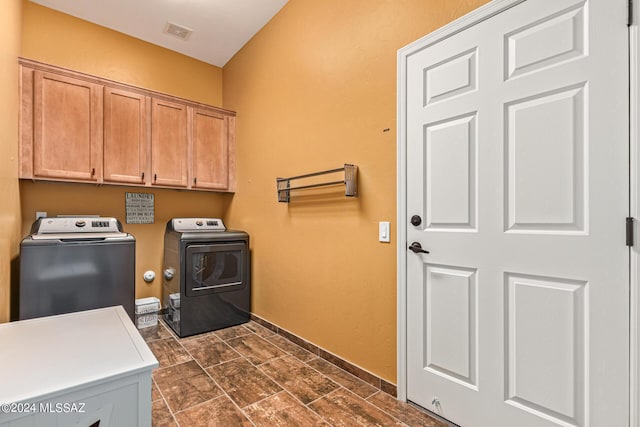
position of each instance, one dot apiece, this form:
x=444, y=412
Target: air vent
x=177, y=31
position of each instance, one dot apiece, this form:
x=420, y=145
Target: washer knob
x=199, y=223
x=80, y=223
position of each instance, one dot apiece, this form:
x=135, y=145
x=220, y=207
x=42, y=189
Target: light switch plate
x=383, y=231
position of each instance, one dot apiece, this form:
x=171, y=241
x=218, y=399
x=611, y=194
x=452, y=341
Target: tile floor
x=247, y=375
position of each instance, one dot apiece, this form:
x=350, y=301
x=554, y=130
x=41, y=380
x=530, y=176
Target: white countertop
x=39, y=357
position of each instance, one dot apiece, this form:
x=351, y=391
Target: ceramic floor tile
x=298, y=379
x=252, y=365
x=168, y=352
x=243, y=382
x=209, y=350
x=160, y=415
x=256, y=349
x=291, y=348
x=258, y=329
x=404, y=412
x=197, y=336
x=343, y=378
x=214, y=413
x=155, y=393
x=153, y=333
x=232, y=332
x=282, y=410
x=343, y=408
x=185, y=385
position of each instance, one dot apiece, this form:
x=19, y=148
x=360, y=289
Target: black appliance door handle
x=416, y=248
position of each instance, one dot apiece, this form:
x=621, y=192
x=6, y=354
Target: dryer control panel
x=197, y=224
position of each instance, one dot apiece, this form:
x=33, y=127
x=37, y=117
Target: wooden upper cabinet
x=126, y=136
x=67, y=127
x=168, y=143
x=83, y=128
x=210, y=149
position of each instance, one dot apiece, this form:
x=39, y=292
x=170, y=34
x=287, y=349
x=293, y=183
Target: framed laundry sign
x=140, y=208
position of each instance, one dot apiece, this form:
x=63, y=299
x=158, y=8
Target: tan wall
x=10, y=33
x=315, y=89
x=63, y=40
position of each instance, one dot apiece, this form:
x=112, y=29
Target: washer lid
x=197, y=224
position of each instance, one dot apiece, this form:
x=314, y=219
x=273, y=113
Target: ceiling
x=220, y=27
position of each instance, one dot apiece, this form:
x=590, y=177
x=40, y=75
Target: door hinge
x=629, y=228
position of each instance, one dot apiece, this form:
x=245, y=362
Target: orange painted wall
x=314, y=89
x=60, y=39
x=63, y=40
x=10, y=23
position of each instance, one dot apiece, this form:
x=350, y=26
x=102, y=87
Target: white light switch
x=383, y=231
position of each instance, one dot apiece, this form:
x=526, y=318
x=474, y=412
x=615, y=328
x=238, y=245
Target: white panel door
x=517, y=164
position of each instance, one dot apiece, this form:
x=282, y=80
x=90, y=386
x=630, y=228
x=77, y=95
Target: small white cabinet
x=85, y=369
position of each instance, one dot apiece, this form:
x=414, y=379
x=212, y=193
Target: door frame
x=634, y=212
x=486, y=11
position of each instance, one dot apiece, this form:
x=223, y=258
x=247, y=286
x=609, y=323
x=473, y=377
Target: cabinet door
x=67, y=128
x=169, y=144
x=126, y=130
x=210, y=149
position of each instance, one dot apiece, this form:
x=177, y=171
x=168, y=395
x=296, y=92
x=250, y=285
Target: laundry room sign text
x=140, y=208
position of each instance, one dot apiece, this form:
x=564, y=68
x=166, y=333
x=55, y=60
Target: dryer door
x=215, y=267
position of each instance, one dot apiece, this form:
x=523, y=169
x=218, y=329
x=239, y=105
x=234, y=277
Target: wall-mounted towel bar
x=350, y=181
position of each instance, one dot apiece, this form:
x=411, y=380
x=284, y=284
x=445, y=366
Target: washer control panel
x=76, y=225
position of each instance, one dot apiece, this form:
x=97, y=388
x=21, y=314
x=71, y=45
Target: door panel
x=551, y=40
x=517, y=154
x=67, y=128
x=210, y=164
x=126, y=130
x=453, y=76
x=546, y=165
x=169, y=143
x=450, y=164
x=545, y=342
x=451, y=323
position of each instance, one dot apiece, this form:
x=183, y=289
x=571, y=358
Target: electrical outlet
x=40, y=215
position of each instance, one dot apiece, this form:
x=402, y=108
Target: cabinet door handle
x=142, y=177
x=195, y=180
x=155, y=177
x=93, y=171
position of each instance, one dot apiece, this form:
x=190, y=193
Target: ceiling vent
x=177, y=31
